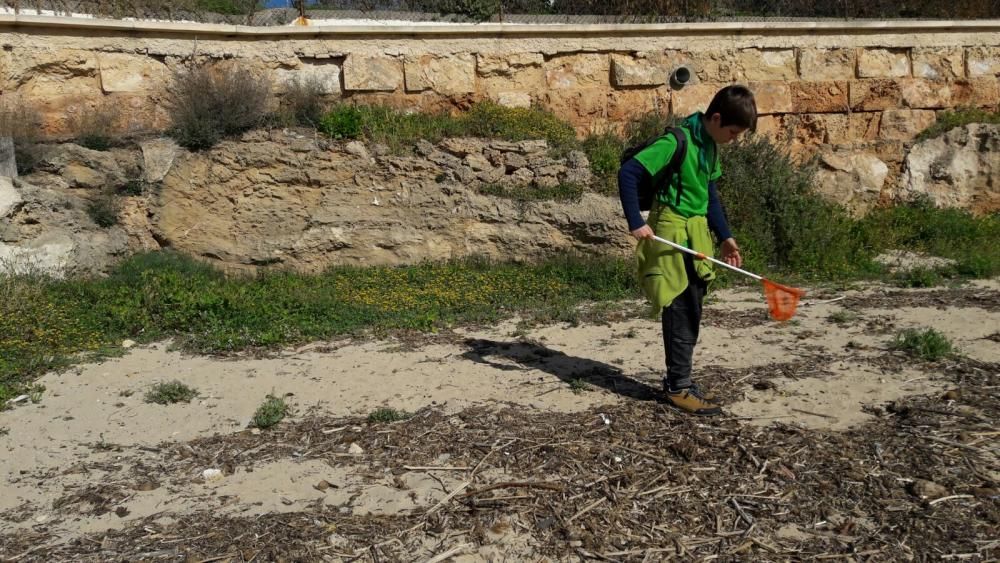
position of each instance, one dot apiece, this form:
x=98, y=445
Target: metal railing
x=250, y=12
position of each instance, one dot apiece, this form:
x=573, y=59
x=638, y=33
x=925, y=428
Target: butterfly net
x=781, y=300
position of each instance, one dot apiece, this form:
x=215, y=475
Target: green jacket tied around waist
x=661, y=269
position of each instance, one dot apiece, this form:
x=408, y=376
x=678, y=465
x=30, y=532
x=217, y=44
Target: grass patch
x=524, y=194
x=387, y=415
x=578, y=386
x=272, y=411
x=169, y=393
x=929, y=344
x=948, y=120
x=104, y=210
x=400, y=130
x=47, y=323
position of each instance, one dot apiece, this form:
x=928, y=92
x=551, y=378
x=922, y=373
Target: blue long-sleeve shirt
x=630, y=177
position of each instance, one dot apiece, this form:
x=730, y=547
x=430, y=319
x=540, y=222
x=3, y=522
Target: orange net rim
x=800, y=293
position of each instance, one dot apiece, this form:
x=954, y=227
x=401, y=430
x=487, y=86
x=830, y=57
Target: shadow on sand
x=523, y=356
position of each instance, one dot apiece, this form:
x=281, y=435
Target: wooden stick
x=449, y=553
x=450, y=496
x=513, y=485
x=945, y=499
x=815, y=414
x=587, y=509
x=433, y=468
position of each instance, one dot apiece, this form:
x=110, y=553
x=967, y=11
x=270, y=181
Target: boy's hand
x=731, y=253
x=643, y=232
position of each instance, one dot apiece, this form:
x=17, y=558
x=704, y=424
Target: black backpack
x=648, y=191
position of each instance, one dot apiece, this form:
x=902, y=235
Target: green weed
x=272, y=411
x=383, y=415
x=843, y=316
x=169, y=393
x=104, y=210
x=561, y=192
x=948, y=120
x=929, y=344
x=578, y=386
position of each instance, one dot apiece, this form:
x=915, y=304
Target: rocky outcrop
x=852, y=180
x=958, y=169
x=288, y=200
x=305, y=204
x=48, y=230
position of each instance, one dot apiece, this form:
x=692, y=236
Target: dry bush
x=99, y=128
x=303, y=102
x=209, y=102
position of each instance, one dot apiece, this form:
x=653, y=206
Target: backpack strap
x=677, y=160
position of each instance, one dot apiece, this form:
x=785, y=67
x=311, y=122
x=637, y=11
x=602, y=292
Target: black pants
x=681, y=320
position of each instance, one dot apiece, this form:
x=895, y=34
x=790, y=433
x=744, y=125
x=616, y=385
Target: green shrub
x=210, y=102
x=948, y=120
x=343, y=122
x=561, y=192
x=780, y=222
x=272, y=411
x=388, y=415
x=401, y=130
x=97, y=129
x=104, y=210
x=169, y=393
x=604, y=152
x=927, y=344
x=302, y=103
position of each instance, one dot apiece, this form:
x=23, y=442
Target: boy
x=685, y=208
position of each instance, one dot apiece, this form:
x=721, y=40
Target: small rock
x=515, y=161
x=357, y=148
x=147, y=486
x=336, y=540
x=212, y=475
x=355, y=449
x=379, y=149
x=523, y=176
x=533, y=147
x=128, y=344
x=927, y=489
x=255, y=431
x=547, y=182
x=41, y=518
x=953, y=395
x=424, y=148
x=121, y=512
x=322, y=485
x=478, y=162
x=578, y=159
x=466, y=175
x=986, y=492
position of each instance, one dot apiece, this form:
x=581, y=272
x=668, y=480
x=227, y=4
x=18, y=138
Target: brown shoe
x=692, y=400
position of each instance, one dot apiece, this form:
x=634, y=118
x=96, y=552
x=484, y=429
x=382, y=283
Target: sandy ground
x=820, y=374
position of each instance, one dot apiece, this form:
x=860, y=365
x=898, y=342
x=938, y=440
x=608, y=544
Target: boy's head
x=732, y=111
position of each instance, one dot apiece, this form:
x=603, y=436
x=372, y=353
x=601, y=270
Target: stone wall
x=858, y=91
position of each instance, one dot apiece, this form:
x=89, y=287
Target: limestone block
x=819, y=97
x=772, y=127
x=590, y=70
x=854, y=180
x=506, y=65
x=372, y=74
x=624, y=105
x=765, y=64
x=579, y=107
x=772, y=97
x=708, y=66
x=451, y=75
x=122, y=72
x=981, y=92
x=925, y=94
x=864, y=126
x=820, y=128
x=513, y=99
x=692, y=98
x=827, y=64
x=875, y=95
x=938, y=63
x=905, y=124
x=883, y=63
x=983, y=61
x=629, y=71
x=323, y=73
